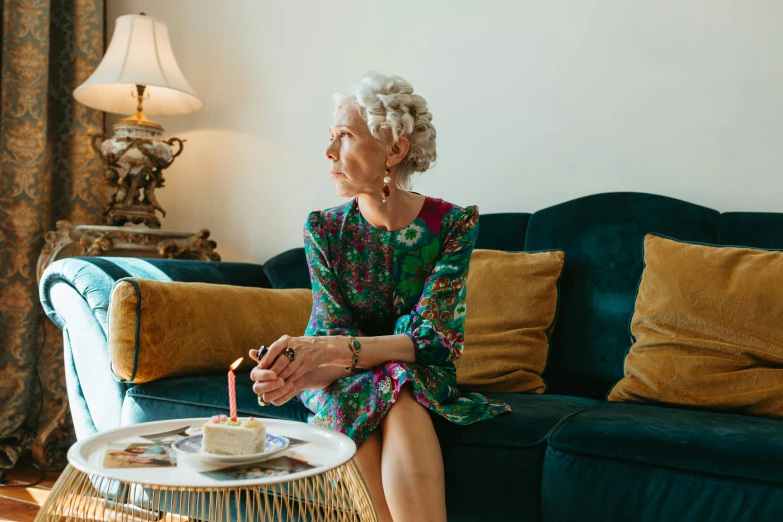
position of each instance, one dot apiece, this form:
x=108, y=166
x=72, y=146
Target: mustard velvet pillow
x=164, y=329
x=707, y=329
x=511, y=308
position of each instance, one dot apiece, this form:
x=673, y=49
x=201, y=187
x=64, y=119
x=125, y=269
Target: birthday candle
x=232, y=392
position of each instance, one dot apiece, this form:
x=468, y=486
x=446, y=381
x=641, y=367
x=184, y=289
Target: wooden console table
x=102, y=240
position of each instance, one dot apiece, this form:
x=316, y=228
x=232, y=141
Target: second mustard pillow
x=707, y=329
x=511, y=308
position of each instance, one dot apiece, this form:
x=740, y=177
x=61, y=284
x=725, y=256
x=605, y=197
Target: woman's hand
x=316, y=379
x=278, y=378
x=276, y=390
x=266, y=383
x=291, y=357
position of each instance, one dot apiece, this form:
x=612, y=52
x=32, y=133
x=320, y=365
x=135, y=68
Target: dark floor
x=20, y=503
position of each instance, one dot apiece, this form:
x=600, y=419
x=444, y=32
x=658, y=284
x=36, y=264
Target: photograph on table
x=138, y=455
x=270, y=468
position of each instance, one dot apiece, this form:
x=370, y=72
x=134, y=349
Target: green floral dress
x=372, y=282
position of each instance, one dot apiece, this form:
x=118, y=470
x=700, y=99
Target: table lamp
x=137, y=74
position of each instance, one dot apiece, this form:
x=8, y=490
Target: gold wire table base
x=339, y=494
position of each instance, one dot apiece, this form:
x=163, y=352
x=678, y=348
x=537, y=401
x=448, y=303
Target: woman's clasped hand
x=286, y=367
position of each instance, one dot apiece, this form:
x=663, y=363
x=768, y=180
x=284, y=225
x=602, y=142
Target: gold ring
x=261, y=401
x=289, y=352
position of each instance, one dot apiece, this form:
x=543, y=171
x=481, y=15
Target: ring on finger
x=290, y=353
x=261, y=401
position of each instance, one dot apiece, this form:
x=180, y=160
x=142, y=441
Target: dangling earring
x=385, y=191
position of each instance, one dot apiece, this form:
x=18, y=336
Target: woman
x=388, y=273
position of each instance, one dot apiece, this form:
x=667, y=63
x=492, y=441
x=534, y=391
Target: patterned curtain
x=49, y=172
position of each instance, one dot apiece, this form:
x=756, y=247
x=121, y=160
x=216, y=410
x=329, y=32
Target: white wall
x=535, y=103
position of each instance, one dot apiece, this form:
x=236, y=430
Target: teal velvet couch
x=565, y=455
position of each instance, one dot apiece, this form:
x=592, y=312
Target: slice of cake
x=238, y=437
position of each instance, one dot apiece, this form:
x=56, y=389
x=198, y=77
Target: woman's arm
x=374, y=350
x=330, y=316
x=436, y=322
x=330, y=351
x=321, y=361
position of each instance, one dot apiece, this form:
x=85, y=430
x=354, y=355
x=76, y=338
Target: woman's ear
x=399, y=150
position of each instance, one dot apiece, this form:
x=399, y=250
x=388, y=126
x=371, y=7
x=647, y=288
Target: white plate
x=191, y=446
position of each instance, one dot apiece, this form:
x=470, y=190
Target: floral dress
x=372, y=282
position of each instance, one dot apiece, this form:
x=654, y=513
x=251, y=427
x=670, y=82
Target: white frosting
x=224, y=437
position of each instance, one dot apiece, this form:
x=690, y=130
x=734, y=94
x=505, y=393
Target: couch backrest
x=602, y=236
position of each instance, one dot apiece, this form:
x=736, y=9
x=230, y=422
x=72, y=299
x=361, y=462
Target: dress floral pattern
x=371, y=282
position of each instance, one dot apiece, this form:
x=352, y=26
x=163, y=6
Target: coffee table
x=332, y=489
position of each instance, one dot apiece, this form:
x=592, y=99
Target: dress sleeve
x=436, y=323
x=330, y=315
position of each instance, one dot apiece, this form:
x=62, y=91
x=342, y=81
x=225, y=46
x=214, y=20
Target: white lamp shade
x=139, y=54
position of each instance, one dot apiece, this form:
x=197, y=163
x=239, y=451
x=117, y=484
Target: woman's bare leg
x=368, y=458
x=412, y=465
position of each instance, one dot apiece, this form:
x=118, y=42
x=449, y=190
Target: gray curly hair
x=391, y=110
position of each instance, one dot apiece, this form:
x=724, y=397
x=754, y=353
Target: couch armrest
x=75, y=294
x=94, y=277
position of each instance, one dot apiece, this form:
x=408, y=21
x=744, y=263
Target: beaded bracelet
x=355, y=347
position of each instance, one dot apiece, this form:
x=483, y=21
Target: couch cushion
x=602, y=237
x=649, y=463
x=731, y=445
x=584, y=487
x=530, y=421
x=509, y=448
x=199, y=396
x=493, y=467
x=205, y=395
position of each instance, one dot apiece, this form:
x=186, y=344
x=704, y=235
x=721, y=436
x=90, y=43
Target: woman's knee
x=405, y=409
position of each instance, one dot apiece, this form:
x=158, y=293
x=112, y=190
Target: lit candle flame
x=236, y=363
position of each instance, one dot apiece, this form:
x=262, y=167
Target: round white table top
x=324, y=450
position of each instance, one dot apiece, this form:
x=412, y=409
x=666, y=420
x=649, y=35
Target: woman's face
x=358, y=160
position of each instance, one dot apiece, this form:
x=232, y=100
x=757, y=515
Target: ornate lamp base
x=118, y=215
x=134, y=160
